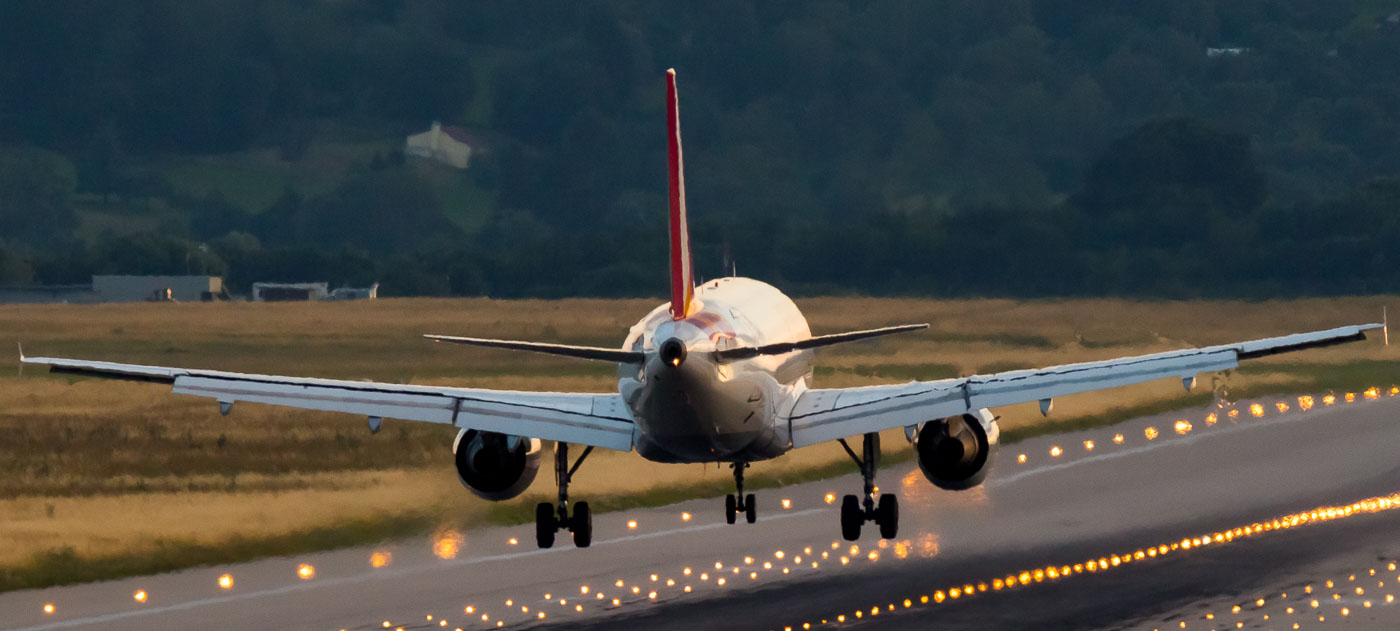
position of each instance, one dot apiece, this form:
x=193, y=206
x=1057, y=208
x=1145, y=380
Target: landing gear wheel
x=854, y=512
x=545, y=525
x=582, y=525
x=738, y=502
x=551, y=519
x=887, y=515
x=851, y=518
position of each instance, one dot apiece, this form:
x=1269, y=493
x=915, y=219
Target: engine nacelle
x=495, y=466
x=956, y=453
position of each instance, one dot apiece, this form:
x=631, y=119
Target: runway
x=1191, y=520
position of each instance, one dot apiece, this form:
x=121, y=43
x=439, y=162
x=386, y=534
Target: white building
x=448, y=145
x=356, y=293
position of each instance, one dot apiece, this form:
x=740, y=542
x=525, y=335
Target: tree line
x=948, y=147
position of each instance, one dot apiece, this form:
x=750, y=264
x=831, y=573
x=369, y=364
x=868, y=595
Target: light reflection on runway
x=1306, y=606
x=1027, y=578
x=911, y=484
x=819, y=558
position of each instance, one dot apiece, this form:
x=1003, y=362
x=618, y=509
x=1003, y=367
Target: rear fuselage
x=695, y=408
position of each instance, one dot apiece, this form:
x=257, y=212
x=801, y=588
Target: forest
x=1026, y=148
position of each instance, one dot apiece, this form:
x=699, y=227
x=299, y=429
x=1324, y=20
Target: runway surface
x=1192, y=520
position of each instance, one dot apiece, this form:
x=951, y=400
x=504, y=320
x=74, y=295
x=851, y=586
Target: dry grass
x=108, y=525
x=109, y=468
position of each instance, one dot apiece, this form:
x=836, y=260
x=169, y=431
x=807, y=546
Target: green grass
x=1353, y=376
x=1003, y=339
x=920, y=372
x=242, y=183
x=465, y=204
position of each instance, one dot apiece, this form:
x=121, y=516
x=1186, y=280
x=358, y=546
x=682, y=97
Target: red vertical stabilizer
x=682, y=281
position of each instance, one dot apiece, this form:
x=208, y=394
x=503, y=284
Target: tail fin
x=682, y=280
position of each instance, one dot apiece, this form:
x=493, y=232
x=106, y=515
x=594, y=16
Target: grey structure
x=144, y=288
x=41, y=294
x=281, y=292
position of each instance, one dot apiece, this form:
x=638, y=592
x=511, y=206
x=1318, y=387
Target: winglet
x=21, y=351
x=682, y=280
x=1385, y=326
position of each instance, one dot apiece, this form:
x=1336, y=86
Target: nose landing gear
x=736, y=503
x=854, y=512
x=551, y=519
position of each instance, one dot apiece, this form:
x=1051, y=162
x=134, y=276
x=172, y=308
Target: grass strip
x=65, y=566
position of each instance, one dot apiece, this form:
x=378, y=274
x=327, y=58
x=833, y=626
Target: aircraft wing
x=600, y=420
x=828, y=414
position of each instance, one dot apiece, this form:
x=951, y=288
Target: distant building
x=356, y=293
x=280, y=292
x=1228, y=51
x=157, y=288
x=50, y=294
x=449, y=145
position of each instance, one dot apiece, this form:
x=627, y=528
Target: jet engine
x=956, y=453
x=495, y=466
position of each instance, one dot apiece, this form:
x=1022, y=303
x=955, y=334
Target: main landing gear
x=551, y=519
x=736, y=503
x=853, y=514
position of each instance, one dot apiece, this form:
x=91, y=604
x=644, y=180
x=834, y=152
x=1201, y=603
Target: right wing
x=600, y=420
x=829, y=414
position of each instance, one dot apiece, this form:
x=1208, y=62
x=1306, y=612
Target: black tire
x=750, y=508
x=545, y=525
x=887, y=514
x=582, y=525
x=730, y=508
x=851, y=518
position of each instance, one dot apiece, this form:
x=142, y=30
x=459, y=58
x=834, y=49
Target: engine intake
x=956, y=453
x=495, y=466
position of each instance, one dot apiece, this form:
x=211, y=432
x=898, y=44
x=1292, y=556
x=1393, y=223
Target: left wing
x=822, y=415
x=600, y=420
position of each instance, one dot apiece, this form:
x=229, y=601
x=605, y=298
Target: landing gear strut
x=738, y=502
x=551, y=519
x=853, y=513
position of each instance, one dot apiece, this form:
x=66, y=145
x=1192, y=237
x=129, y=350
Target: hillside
x=935, y=148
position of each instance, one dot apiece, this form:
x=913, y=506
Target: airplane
x=722, y=373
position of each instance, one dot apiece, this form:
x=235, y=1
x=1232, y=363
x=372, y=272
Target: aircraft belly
x=723, y=422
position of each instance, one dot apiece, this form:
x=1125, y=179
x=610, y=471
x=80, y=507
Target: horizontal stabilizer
x=813, y=342
x=566, y=350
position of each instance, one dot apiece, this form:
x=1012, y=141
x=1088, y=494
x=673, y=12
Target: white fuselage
x=704, y=410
